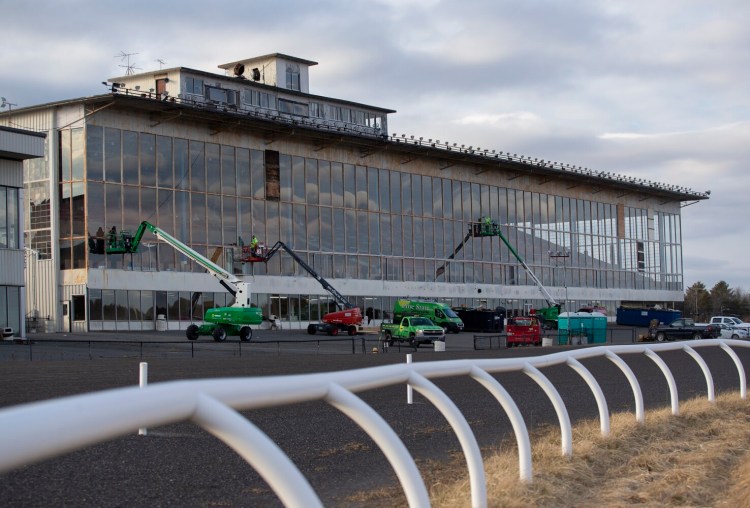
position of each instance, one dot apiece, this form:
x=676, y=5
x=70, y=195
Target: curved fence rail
x=43, y=430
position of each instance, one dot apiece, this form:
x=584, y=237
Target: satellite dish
x=239, y=70
x=256, y=74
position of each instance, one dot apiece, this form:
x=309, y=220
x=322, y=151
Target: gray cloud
x=656, y=89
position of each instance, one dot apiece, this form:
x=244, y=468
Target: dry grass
x=699, y=458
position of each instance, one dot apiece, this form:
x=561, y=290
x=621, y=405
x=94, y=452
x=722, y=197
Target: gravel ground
x=182, y=465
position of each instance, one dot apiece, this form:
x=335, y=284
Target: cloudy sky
x=657, y=89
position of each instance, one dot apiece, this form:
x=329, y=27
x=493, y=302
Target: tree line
x=721, y=300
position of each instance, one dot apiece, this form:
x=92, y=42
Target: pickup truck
x=415, y=330
x=684, y=328
x=729, y=320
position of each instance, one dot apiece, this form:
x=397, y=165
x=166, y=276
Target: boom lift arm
x=341, y=300
x=220, y=321
x=346, y=319
x=129, y=244
x=487, y=228
x=493, y=229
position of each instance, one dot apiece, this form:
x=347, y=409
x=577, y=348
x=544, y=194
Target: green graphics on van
x=439, y=313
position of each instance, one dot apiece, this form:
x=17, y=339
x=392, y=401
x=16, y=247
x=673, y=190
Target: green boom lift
x=219, y=322
x=490, y=228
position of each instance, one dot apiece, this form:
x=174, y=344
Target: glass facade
x=345, y=220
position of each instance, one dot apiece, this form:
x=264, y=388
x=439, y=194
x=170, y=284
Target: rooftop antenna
x=4, y=103
x=161, y=63
x=129, y=68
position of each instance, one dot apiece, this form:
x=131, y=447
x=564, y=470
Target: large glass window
x=197, y=166
x=212, y=170
x=130, y=157
x=164, y=162
x=112, y=155
x=147, y=150
x=228, y=170
x=94, y=152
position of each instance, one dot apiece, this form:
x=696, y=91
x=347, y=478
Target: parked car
x=733, y=332
x=523, y=330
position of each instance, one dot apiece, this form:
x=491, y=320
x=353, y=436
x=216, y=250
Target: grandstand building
x=216, y=157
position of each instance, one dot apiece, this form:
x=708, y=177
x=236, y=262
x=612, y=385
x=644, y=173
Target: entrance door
x=66, y=316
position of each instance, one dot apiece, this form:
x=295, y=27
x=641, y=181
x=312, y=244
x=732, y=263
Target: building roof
x=269, y=56
x=19, y=144
x=410, y=147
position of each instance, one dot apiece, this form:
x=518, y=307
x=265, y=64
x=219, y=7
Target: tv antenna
x=4, y=103
x=129, y=68
x=161, y=62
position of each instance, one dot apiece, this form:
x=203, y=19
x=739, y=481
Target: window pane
x=112, y=155
x=298, y=179
x=198, y=218
x=406, y=193
x=395, y=192
x=257, y=174
x=213, y=219
x=130, y=157
x=351, y=231
x=324, y=175
x=339, y=230
x=313, y=222
x=337, y=184
x=197, y=166
x=311, y=181
x=416, y=192
x=94, y=152
x=148, y=159
x=228, y=171
x=244, y=188
x=349, y=186
x=427, y=201
x=285, y=177
x=385, y=195
x=326, y=229
x=361, y=191
x=164, y=162
x=181, y=164
x=372, y=189
x=213, y=168
x=77, y=154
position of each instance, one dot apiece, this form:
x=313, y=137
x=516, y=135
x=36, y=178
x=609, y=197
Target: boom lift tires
x=246, y=334
x=219, y=334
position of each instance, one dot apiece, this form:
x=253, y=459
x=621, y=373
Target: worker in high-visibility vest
x=253, y=245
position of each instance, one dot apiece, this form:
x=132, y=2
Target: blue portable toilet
x=576, y=328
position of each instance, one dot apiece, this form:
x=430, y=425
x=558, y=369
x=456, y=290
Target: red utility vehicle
x=523, y=330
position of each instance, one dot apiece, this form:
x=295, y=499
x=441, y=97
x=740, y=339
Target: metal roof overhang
x=223, y=118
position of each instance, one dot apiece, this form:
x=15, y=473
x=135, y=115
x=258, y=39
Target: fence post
x=409, y=390
x=143, y=382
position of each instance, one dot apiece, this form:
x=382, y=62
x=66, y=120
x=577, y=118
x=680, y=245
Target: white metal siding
x=12, y=262
x=11, y=173
x=41, y=291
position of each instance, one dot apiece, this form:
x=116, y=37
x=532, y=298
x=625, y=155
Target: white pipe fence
x=41, y=430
